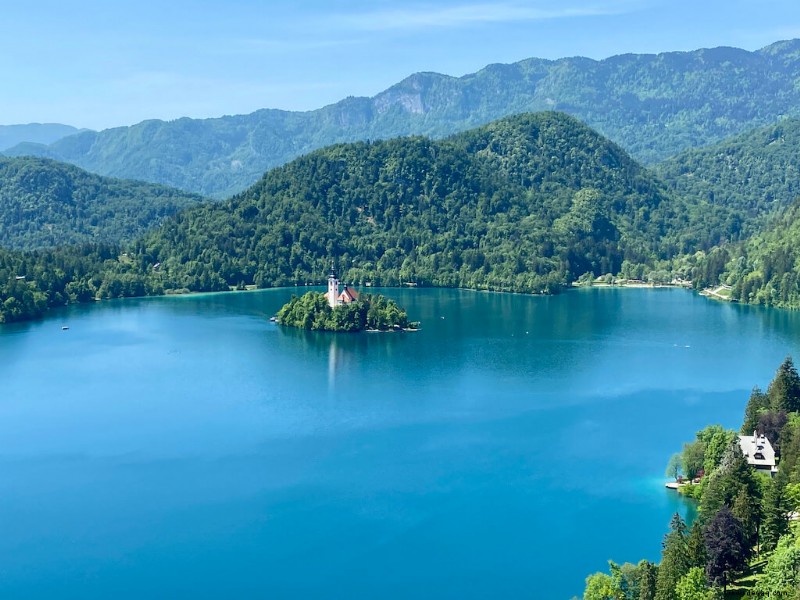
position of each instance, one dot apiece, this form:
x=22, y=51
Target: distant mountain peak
x=36, y=133
x=654, y=106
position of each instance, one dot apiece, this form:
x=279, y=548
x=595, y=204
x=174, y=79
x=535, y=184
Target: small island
x=344, y=311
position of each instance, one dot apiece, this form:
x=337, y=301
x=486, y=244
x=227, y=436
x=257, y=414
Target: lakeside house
x=334, y=296
x=758, y=452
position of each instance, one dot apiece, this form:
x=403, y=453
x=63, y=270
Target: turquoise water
x=186, y=447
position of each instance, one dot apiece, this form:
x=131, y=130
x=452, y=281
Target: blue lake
x=187, y=447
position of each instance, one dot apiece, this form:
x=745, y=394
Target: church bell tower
x=333, y=288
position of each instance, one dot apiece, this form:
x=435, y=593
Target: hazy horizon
x=98, y=66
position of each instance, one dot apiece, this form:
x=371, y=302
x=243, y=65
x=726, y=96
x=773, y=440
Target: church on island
x=334, y=296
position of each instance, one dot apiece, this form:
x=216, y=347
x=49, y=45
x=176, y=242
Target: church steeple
x=333, y=288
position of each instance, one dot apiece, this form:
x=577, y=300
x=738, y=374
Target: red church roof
x=348, y=295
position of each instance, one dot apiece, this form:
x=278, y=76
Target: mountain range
x=37, y=133
x=654, y=106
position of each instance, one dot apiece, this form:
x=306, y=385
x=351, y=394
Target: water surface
x=186, y=447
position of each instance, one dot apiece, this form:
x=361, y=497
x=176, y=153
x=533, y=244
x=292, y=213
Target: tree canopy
x=312, y=311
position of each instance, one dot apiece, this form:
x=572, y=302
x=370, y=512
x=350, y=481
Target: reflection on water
x=188, y=446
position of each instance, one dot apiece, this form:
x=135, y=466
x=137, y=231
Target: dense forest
x=765, y=270
x=652, y=105
x=44, y=203
x=742, y=541
x=755, y=174
x=370, y=311
x=31, y=282
x=528, y=204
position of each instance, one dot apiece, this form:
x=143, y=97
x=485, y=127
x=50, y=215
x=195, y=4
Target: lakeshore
x=323, y=438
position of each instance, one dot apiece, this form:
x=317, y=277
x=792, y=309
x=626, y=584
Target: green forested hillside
x=652, y=105
x=755, y=174
x=528, y=203
x=766, y=269
x=31, y=282
x=45, y=203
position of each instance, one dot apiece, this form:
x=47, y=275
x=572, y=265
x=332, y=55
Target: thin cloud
x=430, y=17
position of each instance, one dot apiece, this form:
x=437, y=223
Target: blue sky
x=102, y=64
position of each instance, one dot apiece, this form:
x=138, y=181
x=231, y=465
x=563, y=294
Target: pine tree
x=674, y=560
x=748, y=510
x=758, y=403
x=725, y=483
x=696, y=546
x=648, y=574
x=784, y=390
x=776, y=509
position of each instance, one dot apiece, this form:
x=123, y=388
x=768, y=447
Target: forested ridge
x=756, y=174
x=530, y=203
x=653, y=105
x=527, y=204
x=44, y=203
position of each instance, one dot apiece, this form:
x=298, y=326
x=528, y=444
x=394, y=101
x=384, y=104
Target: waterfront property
x=758, y=452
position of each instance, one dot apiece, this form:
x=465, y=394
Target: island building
x=758, y=452
x=334, y=296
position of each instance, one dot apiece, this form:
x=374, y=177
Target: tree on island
x=374, y=312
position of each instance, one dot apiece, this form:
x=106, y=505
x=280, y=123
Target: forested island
x=745, y=541
x=372, y=312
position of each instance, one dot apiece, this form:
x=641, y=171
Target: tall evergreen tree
x=724, y=484
x=790, y=448
x=758, y=403
x=696, y=546
x=748, y=510
x=776, y=509
x=674, y=560
x=726, y=546
x=648, y=574
x=784, y=390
